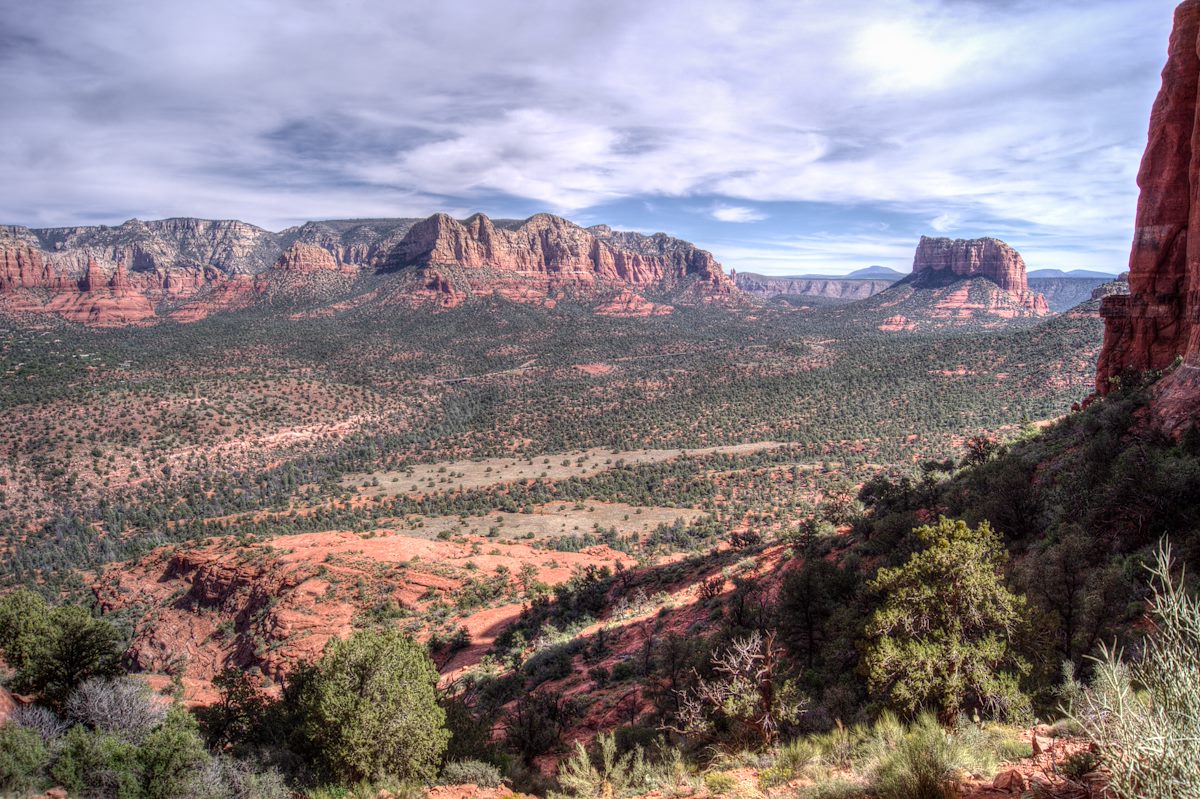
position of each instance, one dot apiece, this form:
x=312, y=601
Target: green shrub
x=536, y=723
x=886, y=734
x=1079, y=764
x=224, y=777
x=23, y=759
x=1011, y=749
x=1150, y=739
x=470, y=731
x=773, y=776
x=93, y=763
x=1067, y=728
x=791, y=761
x=608, y=774
x=471, y=772
x=719, y=783
x=24, y=624
x=171, y=756
x=841, y=746
x=928, y=763
x=73, y=647
x=371, y=709
x=941, y=638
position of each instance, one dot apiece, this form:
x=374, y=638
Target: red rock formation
x=556, y=251
x=223, y=294
x=7, y=705
x=305, y=258
x=1159, y=320
x=939, y=261
x=189, y=268
x=120, y=279
x=22, y=267
x=94, y=279
x=897, y=324
x=627, y=305
x=294, y=600
x=26, y=278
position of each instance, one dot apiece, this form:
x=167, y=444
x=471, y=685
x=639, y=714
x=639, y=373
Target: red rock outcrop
x=29, y=285
x=305, y=258
x=7, y=705
x=259, y=607
x=22, y=267
x=554, y=251
x=628, y=305
x=939, y=261
x=187, y=269
x=1159, y=320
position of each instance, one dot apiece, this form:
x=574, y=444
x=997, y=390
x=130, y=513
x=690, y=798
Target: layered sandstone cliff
x=305, y=258
x=1158, y=322
x=554, y=251
x=188, y=268
x=941, y=261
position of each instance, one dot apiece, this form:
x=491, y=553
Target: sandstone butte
x=1159, y=320
x=939, y=261
x=187, y=268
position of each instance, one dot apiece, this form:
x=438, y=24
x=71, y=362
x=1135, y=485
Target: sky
x=787, y=137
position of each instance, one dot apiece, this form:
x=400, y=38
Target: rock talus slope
x=1159, y=320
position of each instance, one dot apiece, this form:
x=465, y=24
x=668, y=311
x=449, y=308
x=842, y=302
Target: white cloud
x=736, y=213
x=961, y=111
x=944, y=223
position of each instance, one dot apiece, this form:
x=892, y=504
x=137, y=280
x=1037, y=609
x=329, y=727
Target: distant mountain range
x=876, y=273
x=866, y=273
x=1080, y=274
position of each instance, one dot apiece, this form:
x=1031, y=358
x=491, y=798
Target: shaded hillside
x=821, y=289
x=1064, y=293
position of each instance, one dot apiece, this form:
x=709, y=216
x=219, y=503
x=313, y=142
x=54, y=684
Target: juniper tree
x=941, y=639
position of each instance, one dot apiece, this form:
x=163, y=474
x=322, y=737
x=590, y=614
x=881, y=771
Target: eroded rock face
x=22, y=267
x=186, y=269
x=260, y=608
x=310, y=258
x=1159, y=320
x=939, y=261
x=556, y=251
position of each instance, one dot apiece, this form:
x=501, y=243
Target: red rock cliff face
x=1159, y=320
x=550, y=248
x=22, y=267
x=140, y=272
x=311, y=258
x=990, y=258
x=941, y=260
